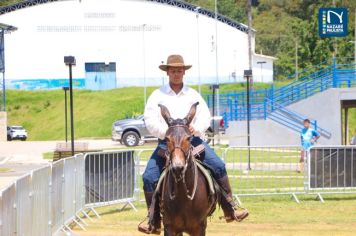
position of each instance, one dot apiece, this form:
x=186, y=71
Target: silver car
x=132, y=132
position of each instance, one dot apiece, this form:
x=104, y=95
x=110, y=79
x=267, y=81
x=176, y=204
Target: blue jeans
x=156, y=163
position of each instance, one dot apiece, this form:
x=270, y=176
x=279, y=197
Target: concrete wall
x=324, y=107
x=263, y=132
x=3, y=124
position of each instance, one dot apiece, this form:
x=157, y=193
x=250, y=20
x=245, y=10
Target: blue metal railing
x=289, y=118
x=233, y=106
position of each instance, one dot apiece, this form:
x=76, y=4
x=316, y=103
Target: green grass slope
x=42, y=112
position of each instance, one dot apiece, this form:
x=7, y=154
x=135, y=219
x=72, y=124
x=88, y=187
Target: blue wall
x=44, y=84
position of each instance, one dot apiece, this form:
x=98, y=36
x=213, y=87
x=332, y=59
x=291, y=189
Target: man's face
x=306, y=124
x=175, y=75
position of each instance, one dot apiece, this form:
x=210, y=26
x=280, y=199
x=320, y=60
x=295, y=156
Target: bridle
x=181, y=177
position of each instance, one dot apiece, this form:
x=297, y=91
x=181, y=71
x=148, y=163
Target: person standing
x=308, y=138
x=353, y=139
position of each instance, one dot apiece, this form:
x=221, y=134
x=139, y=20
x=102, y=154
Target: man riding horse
x=179, y=98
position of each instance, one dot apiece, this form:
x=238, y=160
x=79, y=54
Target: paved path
x=11, y=171
x=18, y=158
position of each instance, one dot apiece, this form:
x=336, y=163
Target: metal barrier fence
x=257, y=171
x=41, y=203
x=332, y=169
x=51, y=198
x=273, y=170
x=110, y=178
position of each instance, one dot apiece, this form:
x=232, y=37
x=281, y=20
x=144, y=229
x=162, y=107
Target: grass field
x=268, y=216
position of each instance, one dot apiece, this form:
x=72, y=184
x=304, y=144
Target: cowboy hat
x=174, y=61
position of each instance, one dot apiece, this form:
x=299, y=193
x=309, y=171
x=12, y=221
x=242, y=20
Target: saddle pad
x=161, y=178
x=208, y=177
x=205, y=172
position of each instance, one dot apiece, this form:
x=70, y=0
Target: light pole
x=216, y=42
x=249, y=15
x=144, y=65
x=70, y=61
x=261, y=63
x=198, y=47
x=65, y=112
x=248, y=76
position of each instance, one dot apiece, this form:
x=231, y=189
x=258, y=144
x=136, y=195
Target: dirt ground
x=277, y=216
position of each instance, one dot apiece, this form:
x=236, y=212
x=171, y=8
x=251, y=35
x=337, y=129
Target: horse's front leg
x=199, y=231
x=169, y=231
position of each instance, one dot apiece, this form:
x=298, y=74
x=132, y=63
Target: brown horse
x=185, y=199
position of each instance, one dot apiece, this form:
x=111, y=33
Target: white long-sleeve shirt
x=178, y=106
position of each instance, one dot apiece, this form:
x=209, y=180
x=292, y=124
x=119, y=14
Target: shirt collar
x=168, y=90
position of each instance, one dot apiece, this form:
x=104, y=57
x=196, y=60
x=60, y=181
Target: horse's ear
x=166, y=115
x=193, y=109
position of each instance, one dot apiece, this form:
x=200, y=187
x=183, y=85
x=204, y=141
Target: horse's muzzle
x=178, y=169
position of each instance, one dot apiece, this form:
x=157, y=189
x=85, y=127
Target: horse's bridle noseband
x=170, y=166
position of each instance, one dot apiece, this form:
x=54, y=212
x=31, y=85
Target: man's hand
x=191, y=129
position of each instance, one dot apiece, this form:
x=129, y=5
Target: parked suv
x=16, y=132
x=133, y=131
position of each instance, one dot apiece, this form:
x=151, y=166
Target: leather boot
x=228, y=204
x=153, y=225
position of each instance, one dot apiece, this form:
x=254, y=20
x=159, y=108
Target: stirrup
x=149, y=229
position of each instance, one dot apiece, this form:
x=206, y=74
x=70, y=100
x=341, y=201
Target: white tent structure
x=121, y=43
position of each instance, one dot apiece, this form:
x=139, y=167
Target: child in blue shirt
x=308, y=137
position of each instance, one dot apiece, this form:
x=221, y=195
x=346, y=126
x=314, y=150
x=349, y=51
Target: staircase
x=272, y=103
x=291, y=119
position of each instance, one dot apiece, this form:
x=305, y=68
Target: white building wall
x=112, y=31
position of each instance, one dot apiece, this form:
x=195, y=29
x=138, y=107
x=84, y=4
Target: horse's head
x=178, y=138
